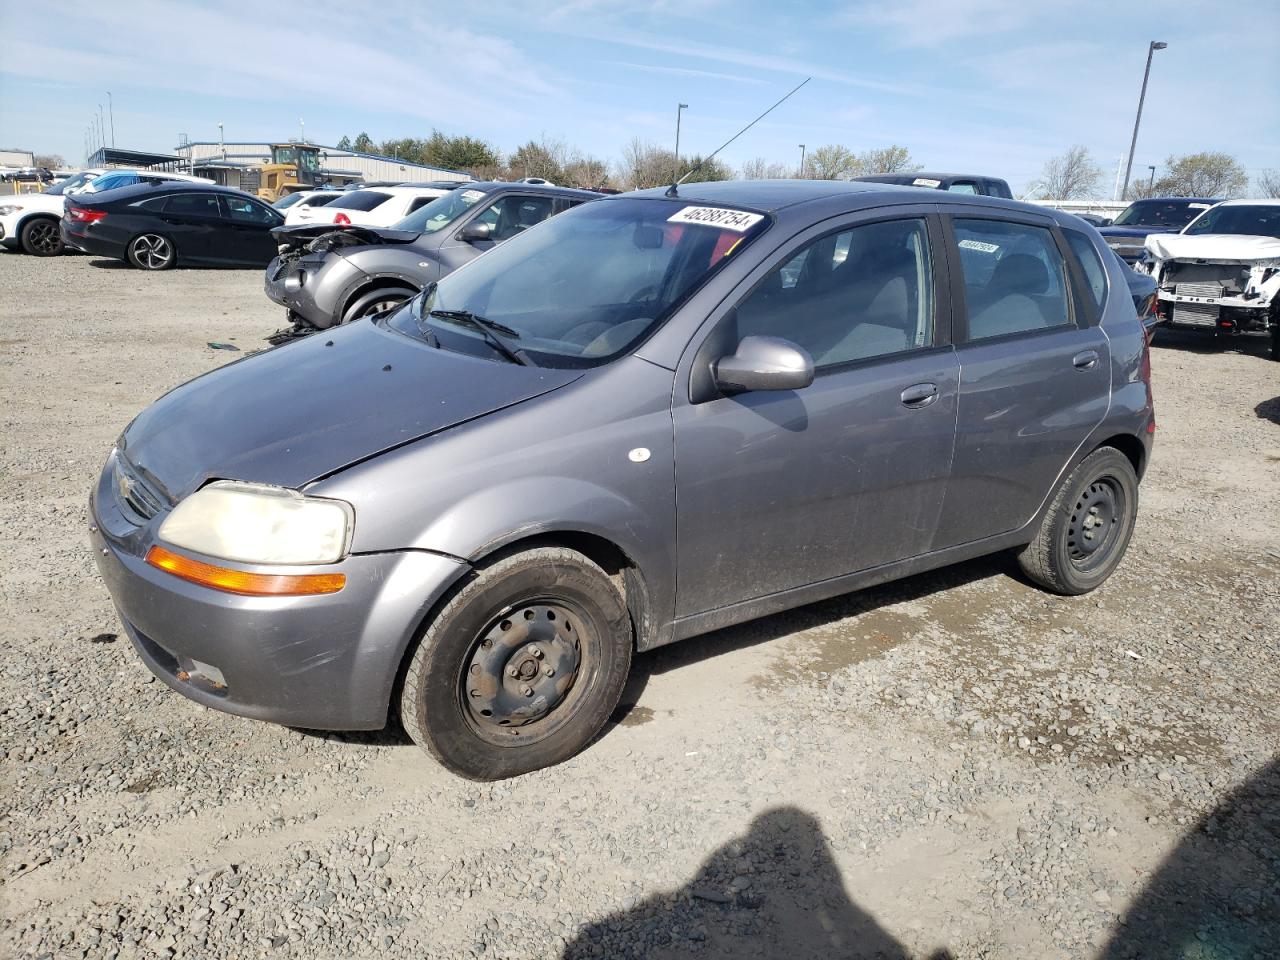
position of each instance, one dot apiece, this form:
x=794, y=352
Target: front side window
x=193, y=205
x=588, y=284
x=514, y=213
x=863, y=292
x=1095, y=273
x=1015, y=278
x=1249, y=220
x=244, y=210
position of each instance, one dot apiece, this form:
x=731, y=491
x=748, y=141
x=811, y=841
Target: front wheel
x=521, y=668
x=1087, y=528
x=40, y=238
x=150, y=251
x=377, y=301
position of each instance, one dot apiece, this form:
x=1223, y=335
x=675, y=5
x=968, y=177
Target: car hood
x=306, y=410
x=1134, y=231
x=292, y=236
x=1213, y=246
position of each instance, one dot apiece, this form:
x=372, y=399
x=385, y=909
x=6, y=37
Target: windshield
x=1261, y=220
x=71, y=183
x=582, y=287
x=441, y=211
x=1174, y=214
x=284, y=203
x=364, y=200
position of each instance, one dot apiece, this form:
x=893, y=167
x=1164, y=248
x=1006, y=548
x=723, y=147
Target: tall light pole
x=222, y=145
x=801, y=174
x=680, y=108
x=303, y=128
x=111, y=112
x=1151, y=184
x=1152, y=47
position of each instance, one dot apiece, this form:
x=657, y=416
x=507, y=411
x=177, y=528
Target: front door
x=510, y=214
x=776, y=490
x=1035, y=374
x=249, y=239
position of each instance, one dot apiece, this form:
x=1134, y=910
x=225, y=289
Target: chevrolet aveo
x=647, y=418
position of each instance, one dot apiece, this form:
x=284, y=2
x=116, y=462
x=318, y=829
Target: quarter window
x=1014, y=278
x=242, y=210
x=1094, y=271
x=863, y=292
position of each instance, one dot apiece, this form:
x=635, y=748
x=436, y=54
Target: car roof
x=916, y=174
x=1260, y=202
x=542, y=189
x=165, y=186
x=771, y=196
x=1178, y=199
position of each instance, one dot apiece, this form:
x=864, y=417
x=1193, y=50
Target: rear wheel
x=150, y=251
x=1087, y=528
x=522, y=666
x=377, y=301
x=40, y=238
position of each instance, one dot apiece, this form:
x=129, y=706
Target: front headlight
x=254, y=523
x=5, y=211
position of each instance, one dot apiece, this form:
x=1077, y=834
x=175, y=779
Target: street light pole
x=111, y=111
x=680, y=108
x=303, y=127
x=801, y=174
x=1151, y=185
x=1152, y=47
x=222, y=144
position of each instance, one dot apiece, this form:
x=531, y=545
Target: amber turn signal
x=245, y=584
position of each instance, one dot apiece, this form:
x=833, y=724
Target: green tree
x=831, y=162
x=363, y=144
x=1205, y=174
x=344, y=143
x=544, y=158
x=459, y=153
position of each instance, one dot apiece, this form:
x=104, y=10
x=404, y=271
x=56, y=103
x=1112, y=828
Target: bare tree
x=1071, y=176
x=761, y=169
x=1203, y=175
x=832, y=162
x=585, y=171
x=1267, y=183
x=50, y=161
x=646, y=165
x=890, y=159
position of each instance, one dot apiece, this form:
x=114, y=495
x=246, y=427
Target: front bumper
x=1221, y=314
x=320, y=662
x=9, y=236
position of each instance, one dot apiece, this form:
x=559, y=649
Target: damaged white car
x=1221, y=274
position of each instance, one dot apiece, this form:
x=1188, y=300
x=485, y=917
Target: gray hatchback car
x=646, y=418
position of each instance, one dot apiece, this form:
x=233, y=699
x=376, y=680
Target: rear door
x=246, y=238
x=193, y=221
x=1034, y=369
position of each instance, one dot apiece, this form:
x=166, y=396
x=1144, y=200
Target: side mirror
x=764, y=363
x=476, y=231
x=1106, y=222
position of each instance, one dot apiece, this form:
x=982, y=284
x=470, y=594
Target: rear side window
x=193, y=205
x=1094, y=271
x=963, y=186
x=364, y=200
x=997, y=188
x=1015, y=278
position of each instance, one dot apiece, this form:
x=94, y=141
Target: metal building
x=226, y=162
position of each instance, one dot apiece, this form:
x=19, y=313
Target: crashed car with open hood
x=1221, y=274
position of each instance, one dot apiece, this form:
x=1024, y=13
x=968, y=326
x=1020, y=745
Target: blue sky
x=985, y=86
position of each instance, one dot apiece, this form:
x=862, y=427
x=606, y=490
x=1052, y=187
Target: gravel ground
x=956, y=765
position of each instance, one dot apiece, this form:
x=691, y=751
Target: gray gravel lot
x=956, y=765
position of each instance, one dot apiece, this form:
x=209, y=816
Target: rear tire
x=377, y=301
x=1087, y=529
x=151, y=251
x=39, y=237
x=522, y=666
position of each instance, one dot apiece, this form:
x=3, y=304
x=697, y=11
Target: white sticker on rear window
x=472, y=194
x=1199, y=206
x=737, y=220
x=926, y=182
x=980, y=245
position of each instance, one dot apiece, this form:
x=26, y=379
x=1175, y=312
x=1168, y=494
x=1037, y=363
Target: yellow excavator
x=293, y=167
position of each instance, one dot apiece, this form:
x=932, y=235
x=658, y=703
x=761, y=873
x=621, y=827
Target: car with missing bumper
x=325, y=277
x=655, y=415
x=1221, y=274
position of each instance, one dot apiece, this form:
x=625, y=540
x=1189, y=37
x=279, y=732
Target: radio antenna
x=671, y=191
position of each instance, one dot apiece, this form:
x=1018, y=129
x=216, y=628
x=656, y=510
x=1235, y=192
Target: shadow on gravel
x=1217, y=897
x=1269, y=410
x=776, y=892
x=103, y=263
x=731, y=639
x=1194, y=341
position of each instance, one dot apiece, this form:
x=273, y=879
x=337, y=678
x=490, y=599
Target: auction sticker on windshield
x=926, y=182
x=737, y=220
x=472, y=194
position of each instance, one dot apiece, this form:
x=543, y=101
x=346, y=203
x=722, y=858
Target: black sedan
x=155, y=226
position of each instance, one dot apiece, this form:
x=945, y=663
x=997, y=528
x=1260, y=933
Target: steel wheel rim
x=523, y=677
x=44, y=236
x=1095, y=523
x=153, y=251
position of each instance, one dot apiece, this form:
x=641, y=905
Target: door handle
x=1085, y=360
x=920, y=395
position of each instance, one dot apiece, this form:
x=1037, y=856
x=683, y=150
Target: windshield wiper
x=489, y=329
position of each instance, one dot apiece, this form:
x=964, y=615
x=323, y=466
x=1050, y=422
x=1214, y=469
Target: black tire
x=1274, y=352
x=521, y=667
x=152, y=251
x=39, y=237
x=1087, y=528
x=376, y=301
